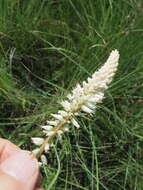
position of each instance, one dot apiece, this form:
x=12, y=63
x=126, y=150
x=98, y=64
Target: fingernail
x=21, y=166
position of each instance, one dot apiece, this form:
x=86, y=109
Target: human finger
x=22, y=168
x=7, y=149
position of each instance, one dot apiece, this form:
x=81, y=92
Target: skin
x=8, y=149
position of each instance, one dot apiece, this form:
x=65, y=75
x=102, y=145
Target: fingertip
x=7, y=149
x=8, y=182
x=34, y=180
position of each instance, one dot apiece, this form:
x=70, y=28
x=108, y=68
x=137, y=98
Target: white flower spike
x=83, y=98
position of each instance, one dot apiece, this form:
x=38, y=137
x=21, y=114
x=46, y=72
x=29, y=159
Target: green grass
x=46, y=47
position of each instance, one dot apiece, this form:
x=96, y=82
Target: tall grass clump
x=46, y=47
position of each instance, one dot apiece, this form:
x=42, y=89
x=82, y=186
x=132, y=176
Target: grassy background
x=46, y=47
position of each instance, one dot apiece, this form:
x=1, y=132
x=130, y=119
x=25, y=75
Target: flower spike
x=83, y=98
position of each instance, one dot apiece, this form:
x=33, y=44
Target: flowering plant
x=83, y=98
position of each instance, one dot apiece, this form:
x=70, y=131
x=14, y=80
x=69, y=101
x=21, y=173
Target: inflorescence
x=83, y=98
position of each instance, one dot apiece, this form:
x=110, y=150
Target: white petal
x=78, y=90
x=78, y=87
x=97, y=98
x=40, y=164
x=47, y=127
x=85, y=98
x=37, y=140
x=89, y=79
x=91, y=106
x=66, y=129
x=103, y=85
x=63, y=113
x=76, y=114
x=70, y=97
x=66, y=105
x=48, y=133
x=94, y=100
x=84, y=84
x=47, y=147
x=35, y=151
x=57, y=116
x=53, y=122
x=86, y=109
x=59, y=137
x=43, y=159
x=75, y=123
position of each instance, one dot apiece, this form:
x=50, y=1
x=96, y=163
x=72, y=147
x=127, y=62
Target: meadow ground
x=46, y=47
